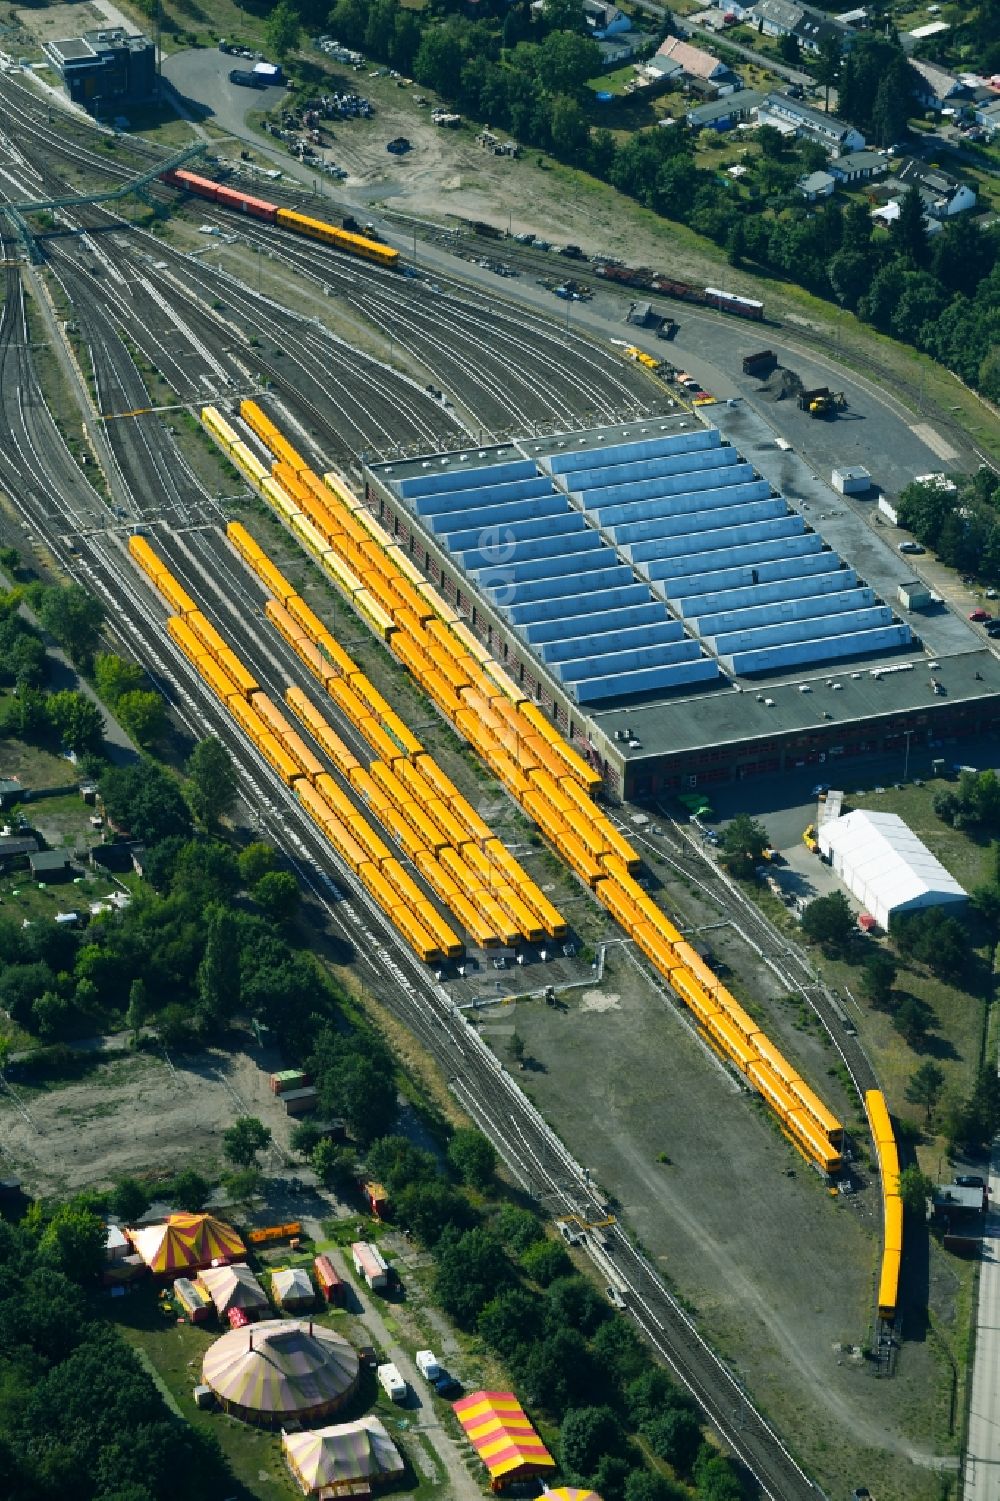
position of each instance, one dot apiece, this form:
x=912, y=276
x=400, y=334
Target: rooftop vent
x=804, y=688
x=838, y=687
x=769, y=703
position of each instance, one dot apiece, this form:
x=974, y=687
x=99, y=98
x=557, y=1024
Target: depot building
x=677, y=617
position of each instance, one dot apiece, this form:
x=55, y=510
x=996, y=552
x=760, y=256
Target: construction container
x=300, y=1101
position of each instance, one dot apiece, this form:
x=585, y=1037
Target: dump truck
x=822, y=402
x=760, y=364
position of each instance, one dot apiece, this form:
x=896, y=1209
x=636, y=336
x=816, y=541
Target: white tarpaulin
x=883, y=863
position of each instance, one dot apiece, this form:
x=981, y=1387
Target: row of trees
x=961, y=525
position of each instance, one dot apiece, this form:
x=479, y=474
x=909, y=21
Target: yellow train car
x=271, y=715
x=442, y=609
x=372, y=796
x=339, y=239
x=423, y=945
x=175, y=594
x=398, y=879
x=401, y=560
x=446, y=939
x=410, y=841
x=434, y=873
x=390, y=784
x=313, y=658
x=694, y=996
x=347, y=700
x=244, y=457
x=206, y=633
x=379, y=741
x=148, y=560
x=506, y=929
x=184, y=637
x=733, y=1043
x=888, y=1286
x=248, y=719
x=369, y=695
x=217, y=425
x=238, y=671
x=345, y=578
x=220, y=683
x=279, y=498
x=425, y=827
x=339, y=487
x=893, y=1223
x=374, y=846
x=472, y=920
x=273, y=751
x=311, y=535
x=401, y=734
x=453, y=831
x=505, y=682
x=579, y=857
x=379, y=619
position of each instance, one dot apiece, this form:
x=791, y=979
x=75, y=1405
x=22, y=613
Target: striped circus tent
x=281, y=1370
x=502, y=1436
x=233, y=1287
x=569, y=1493
x=186, y=1242
x=343, y=1458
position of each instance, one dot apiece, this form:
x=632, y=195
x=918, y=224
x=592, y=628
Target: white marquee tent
x=883, y=863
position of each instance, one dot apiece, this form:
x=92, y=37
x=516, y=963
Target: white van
x=391, y=1383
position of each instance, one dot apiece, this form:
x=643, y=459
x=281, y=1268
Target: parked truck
x=822, y=402
x=760, y=364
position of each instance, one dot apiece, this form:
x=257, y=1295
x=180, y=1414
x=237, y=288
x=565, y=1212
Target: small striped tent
x=502, y=1436
x=569, y=1493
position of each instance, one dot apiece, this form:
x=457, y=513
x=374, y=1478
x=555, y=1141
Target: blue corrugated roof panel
x=589, y=562
x=658, y=514
x=726, y=539
x=461, y=475
x=806, y=653
x=652, y=679
x=722, y=601
x=805, y=607
x=559, y=462
x=694, y=522
x=589, y=603
x=496, y=516
x=628, y=483
x=624, y=503
x=807, y=558
x=487, y=495
x=643, y=612
x=661, y=633
x=625, y=662
x=818, y=628
x=638, y=469
x=568, y=583
x=513, y=533
x=504, y=554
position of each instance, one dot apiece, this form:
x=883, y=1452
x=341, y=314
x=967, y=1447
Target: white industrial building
x=883, y=863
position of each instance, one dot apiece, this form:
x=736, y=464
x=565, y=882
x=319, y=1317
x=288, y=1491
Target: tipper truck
x=760, y=364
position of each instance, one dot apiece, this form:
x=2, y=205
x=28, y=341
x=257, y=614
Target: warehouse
x=103, y=70
x=883, y=863
x=679, y=620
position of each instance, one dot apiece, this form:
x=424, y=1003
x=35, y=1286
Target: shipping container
x=300, y=1101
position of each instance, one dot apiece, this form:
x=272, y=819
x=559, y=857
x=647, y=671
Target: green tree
x=73, y=1241
x=73, y=616
x=915, y=1188
x=565, y=15
x=509, y=1322
x=428, y=1209
x=517, y=1228
x=788, y=49
x=471, y=1269
x=878, y=976
x=546, y=1260
x=305, y=1137
x=570, y=130
x=219, y=971
x=395, y=1161
x=675, y=1435
x=912, y=1020
x=145, y=800
x=77, y=721
x=924, y=1088
x=643, y=1485
x=909, y=233
x=588, y=1433
x=244, y=1184
x=335, y=1166
x=573, y=1303
x=565, y=62
x=244, y=1139
x=828, y=920
x=189, y=1190
x=129, y=1200
x=213, y=787
x=255, y=861
x=473, y=1157
x=114, y=677
x=138, y=1009
x=278, y=895
x=827, y=66
x=10, y=560
x=356, y=1086
x=743, y=844
x=143, y=715
x=283, y=30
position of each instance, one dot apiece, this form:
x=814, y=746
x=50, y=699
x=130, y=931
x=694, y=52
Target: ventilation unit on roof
x=838, y=687
x=804, y=688
x=760, y=698
x=934, y=666
x=769, y=703
x=855, y=676
x=827, y=714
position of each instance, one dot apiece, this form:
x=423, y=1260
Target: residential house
x=856, y=167
x=988, y=116
x=814, y=29
x=723, y=114
x=943, y=195
x=837, y=136
x=816, y=186
x=604, y=19
x=933, y=87
x=777, y=17
x=15, y=849
x=50, y=865
x=694, y=61
x=889, y=213
x=625, y=46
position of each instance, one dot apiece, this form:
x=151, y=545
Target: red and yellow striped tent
x=502, y=1436
x=186, y=1242
x=569, y=1493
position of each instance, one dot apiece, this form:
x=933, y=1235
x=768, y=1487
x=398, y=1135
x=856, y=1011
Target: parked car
x=447, y=1385
x=980, y=616
x=969, y=1180
x=910, y=547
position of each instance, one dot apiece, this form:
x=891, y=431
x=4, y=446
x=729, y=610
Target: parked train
x=525, y=751
x=892, y=1205
x=284, y=218
x=668, y=286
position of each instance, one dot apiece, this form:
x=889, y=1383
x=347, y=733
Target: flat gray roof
x=72, y=49
x=725, y=716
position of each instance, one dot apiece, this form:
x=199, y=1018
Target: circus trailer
x=330, y=1284
x=370, y=1264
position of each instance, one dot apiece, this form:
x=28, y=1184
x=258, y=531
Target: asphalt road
x=982, y=1455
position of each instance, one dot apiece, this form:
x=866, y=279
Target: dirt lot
x=779, y=1272
x=134, y=1113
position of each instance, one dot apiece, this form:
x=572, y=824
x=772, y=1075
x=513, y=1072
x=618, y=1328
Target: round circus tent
x=186, y=1243
x=281, y=1371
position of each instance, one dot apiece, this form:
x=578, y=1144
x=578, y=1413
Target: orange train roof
x=501, y=1434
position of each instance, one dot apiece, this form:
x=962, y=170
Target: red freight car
x=330, y=1285
x=243, y=203
x=190, y=182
